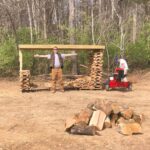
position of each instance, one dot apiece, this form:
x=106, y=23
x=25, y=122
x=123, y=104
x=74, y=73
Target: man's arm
x=42, y=56
x=68, y=55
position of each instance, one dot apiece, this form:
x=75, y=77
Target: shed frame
x=96, y=67
x=34, y=47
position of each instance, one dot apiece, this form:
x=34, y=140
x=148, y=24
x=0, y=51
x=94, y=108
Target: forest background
x=123, y=26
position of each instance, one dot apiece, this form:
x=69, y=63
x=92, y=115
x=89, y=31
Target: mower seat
x=120, y=73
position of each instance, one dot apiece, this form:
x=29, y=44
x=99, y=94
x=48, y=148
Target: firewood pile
x=94, y=80
x=96, y=70
x=80, y=83
x=25, y=80
x=105, y=114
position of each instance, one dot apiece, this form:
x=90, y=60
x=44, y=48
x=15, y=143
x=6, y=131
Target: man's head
x=55, y=49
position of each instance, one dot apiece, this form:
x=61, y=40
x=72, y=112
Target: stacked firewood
x=68, y=84
x=94, y=81
x=80, y=83
x=105, y=114
x=83, y=83
x=25, y=80
x=96, y=70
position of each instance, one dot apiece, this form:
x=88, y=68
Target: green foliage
x=8, y=57
x=83, y=59
x=110, y=54
x=23, y=36
x=138, y=54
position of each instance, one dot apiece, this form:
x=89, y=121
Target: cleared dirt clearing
x=35, y=121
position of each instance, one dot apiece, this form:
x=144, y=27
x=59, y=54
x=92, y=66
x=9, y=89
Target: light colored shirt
x=57, y=62
x=123, y=64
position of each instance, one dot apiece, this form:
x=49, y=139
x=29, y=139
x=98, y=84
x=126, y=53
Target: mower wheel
x=130, y=87
x=107, y=87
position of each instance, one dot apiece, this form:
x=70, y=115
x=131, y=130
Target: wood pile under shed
x=80, y=83
x=25, y=80
x=96, y=70
x=105, y=114
x=96, y=61
x=94, y=80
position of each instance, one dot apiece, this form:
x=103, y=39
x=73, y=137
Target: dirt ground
x=35, y=121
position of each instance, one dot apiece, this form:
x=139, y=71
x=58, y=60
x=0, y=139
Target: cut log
x=98, y=119
x=101, y=120
x=83, y=129
x=84, y=116
x=127, y=113
x=69, y=123
x=115, y=108
x=129, y=128
x=107, y=123
x=113, y=119
x=121, y=120
x=138, y=118
x=94, y=118
x=91, y=106
x=105, y=106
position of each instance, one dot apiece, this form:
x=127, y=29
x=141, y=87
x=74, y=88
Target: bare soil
x=35, y=121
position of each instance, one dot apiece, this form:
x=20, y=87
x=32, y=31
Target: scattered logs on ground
x=104, y=114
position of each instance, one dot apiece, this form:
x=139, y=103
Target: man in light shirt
x=123, y=64
x=56, y=64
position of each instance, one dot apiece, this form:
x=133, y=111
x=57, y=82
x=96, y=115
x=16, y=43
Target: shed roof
x=61, y=47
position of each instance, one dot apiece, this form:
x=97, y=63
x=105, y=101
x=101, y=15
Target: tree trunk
x=18, y=14
x=12, y=22
x=44, y=22
x=71, y=21
x=100, y=7
x=37, y=4
x=71, y=26
x=54, y=17
x=134, y=23
x=112, y=9
x=34, y=12
x=92, y=22
x=30, y=22
x=121, y=36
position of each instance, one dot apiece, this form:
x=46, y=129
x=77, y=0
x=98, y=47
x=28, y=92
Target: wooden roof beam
x=61, y=47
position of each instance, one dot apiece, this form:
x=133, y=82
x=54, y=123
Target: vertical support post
x=20, y=60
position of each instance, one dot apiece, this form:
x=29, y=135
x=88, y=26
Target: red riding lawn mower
x=116, y=81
